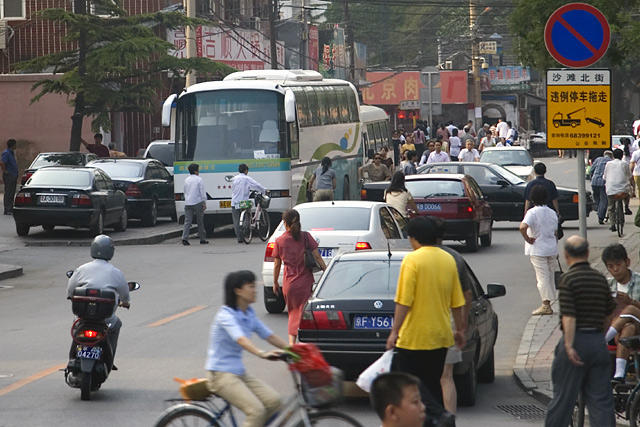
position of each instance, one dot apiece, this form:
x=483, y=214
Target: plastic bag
x=311, y=365
x=380, y=366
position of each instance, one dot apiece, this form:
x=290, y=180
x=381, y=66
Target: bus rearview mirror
x=289, y=106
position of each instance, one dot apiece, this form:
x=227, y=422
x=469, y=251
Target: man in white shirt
x=195, y=202
x=438, y=155
x=634, y=166
x=469, y=154
x=241, y=186
x=503, y=129
x=617, y=179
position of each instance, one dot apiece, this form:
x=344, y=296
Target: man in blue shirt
x=597, y=184
x=9, y=175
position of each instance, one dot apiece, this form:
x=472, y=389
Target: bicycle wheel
x=263, y=225
x=619, y=217
x=332, y=419
x=245, y=226
x=634, y=411
x=187, y=415
x=577, y=417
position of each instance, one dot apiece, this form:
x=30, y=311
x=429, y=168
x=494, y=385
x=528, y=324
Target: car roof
x=370, y=255
x=161, y=142
x=48, y=153
x=67, y=167
x=339, y=203
x=124, y=160
x=457, y=163
x=447, y=176
x=504, y=149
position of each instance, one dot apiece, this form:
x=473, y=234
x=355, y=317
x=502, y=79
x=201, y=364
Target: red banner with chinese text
x=388, y=88
x=454, y=87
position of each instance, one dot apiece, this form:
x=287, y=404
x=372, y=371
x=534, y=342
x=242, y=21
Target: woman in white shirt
x=398, y=196
x=538, y=228
x=469, y=154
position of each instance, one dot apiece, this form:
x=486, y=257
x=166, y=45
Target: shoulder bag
x=309, y=260
x=557, y=275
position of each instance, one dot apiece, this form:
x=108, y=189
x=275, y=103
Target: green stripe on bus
x=226, y=166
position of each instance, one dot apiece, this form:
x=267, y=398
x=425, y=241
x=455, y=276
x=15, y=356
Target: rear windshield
x=120, y=169
x=65, y=159
x=162, y=152
x=334, y=218
x=60, y=178
x=507, y=157
x=361, y=279
x=423, y=189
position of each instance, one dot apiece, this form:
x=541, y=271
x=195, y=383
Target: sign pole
x=430, y=108
x=582, y=195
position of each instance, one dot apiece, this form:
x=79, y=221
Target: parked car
x=458, y=200
x=515, y=159
x=339, y=226
x=73, y=196
x=147, y=185
x=162, y=150
x=350, y=314
x=505, y=191
x=71, y=158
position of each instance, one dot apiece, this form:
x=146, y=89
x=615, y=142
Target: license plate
x=225, y=203
x=433, y=207
x=87, y=352
x=372, y=322
x=51, y=199
x=326, y=252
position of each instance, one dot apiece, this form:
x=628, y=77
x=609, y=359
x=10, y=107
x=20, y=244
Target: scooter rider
x=100, y=274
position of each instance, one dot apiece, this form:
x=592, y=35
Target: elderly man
x=582, y=362
x=597, y=184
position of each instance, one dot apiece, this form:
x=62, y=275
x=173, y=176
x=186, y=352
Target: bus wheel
x=346, y=193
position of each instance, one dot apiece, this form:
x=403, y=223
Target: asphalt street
x=166, y=331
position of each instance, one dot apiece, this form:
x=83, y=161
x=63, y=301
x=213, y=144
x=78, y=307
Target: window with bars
x=12, y=9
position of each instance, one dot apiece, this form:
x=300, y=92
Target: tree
x=115, y=63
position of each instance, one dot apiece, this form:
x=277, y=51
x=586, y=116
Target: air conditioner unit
x=3, y=34
x=448, y=65
x=255, y=23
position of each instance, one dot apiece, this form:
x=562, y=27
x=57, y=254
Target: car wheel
x=98, y=227
x=121, y=225
x=48, y=227
x=487, y=372
x=485, y=240
x=22, y=229
x=272, y=302
x=346, y=191
x=466, y=385
x=151, y=218
x=472, y=240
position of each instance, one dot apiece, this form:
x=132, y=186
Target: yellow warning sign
x=578, y=109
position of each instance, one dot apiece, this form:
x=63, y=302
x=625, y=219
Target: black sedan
x=72, y=196
x=351, y=312
x=147, y=184
x=505, y=191
x=70, y=158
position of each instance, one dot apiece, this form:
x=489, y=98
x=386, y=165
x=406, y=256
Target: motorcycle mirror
x=133, y=286
x=69, y=273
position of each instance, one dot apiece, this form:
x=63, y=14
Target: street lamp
x=475, y=62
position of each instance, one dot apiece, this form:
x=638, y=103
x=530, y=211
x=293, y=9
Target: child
x=395, y=397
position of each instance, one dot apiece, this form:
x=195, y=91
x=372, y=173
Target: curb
x=8, y=271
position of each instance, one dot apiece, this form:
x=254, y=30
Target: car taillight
x=363, y=194
x=90, y=334
x=26, y=177
x=329, y=320
x=133, y=191
x=307, y=321
x=23, y=199
x=465, y=210
x=268, y=252
x=575, y=198
x=80, y=200
x=362, y=245
x=179, y=197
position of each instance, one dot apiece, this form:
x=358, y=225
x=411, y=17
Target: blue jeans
x=600, y=200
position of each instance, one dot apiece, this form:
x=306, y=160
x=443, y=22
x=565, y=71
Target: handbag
x=557, y=275
x=309, y=260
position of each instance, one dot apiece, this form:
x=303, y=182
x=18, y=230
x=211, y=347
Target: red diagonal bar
x=577, y=35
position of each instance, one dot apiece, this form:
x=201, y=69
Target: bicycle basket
x=244, y=204
x=265, y=201
x=193, y=389
x=324, y=395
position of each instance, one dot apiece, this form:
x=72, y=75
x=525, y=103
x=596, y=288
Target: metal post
x=272, y=34
x=191, y=40
x=582, y=194
x=475, y=64
x=430, y=106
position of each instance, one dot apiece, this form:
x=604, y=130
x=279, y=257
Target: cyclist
x=229, y=336
x=617, y=180
x=241, y=185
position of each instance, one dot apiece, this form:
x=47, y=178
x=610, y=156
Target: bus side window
x=295, y=143
x=323, y=107
x=341, y=92
x=312, y=99
x=332, y=101
x=302, y=106
x=376, y=130
x=352, y=104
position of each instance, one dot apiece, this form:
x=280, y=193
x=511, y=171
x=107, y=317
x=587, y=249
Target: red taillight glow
x=133, y=191
x=268, y=252
x=465, y=209
x=23, y=199
x=26, y=177
x=362, y=245
x=307, y=321
x=81, y=200
x=363, y=194
x=90, y=334
x=575, y=199
x=329, y=320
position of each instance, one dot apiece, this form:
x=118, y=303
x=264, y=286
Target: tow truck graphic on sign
x=569, y=121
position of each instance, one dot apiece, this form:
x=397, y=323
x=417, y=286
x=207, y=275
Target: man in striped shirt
x=582, y=362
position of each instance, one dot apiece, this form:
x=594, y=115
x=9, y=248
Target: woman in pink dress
x=297, y=279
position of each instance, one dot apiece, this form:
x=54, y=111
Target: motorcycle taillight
x=90, y=334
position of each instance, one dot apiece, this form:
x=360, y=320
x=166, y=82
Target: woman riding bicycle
x=230, y=331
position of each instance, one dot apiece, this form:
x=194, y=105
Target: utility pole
x=475, y=64
x=190, y=6
x=273, y=5
x=350, y=43
x=78, y=110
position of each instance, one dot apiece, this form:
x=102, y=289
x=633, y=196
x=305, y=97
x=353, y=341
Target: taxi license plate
x=87, y=352
x=372, y=322
x=51, y=199
x=326, y=252
x=225, y=203
x=433, y=207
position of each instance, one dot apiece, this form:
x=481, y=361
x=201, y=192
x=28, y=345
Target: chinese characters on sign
x=391, y=89
x=507, y=77
x=578, y=109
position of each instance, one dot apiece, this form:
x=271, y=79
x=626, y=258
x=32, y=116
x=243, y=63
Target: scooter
x=91, y=353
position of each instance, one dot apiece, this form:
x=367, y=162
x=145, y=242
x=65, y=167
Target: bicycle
x=618, y=213
x=301, y=408
x=258, y=220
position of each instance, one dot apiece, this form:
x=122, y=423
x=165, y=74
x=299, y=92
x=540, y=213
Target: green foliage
x=124, y=59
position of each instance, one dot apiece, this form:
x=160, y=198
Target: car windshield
x=162, y=152
x=615, y=140
x=511, y=157
x=55, y=159
x=53, y=177
x=334, y=218
x=425, y=188
x=362, y=279
x=120, y=169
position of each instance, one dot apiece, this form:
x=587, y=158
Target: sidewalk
x=532, y=368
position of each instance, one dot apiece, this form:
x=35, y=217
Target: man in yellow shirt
x=428, y=291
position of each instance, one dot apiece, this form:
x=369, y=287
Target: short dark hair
x=440, y=226
x=618, y=154
x=578, y=250
x=614, y=252
x=540, y=168
x=454, y=132
x=11, y=143
x=243, y=168
x=538, y=195
x=234, y=281
x=423, y=229
x=388, y=389
x=98, y=135
x=193, y=168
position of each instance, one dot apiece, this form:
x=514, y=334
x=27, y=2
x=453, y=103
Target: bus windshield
x=231, y=125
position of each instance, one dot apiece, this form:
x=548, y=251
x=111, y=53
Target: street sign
x=488, y=48
x=578, y=109
x=410, y=104
x=577, y=35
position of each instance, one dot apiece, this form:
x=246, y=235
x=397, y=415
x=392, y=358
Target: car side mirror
x=290, y=106
x=69, y=274
x=502, y=183
x=133, y=286
x=495, y=290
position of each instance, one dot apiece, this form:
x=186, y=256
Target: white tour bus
x=281, y=123
x=376, y=131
